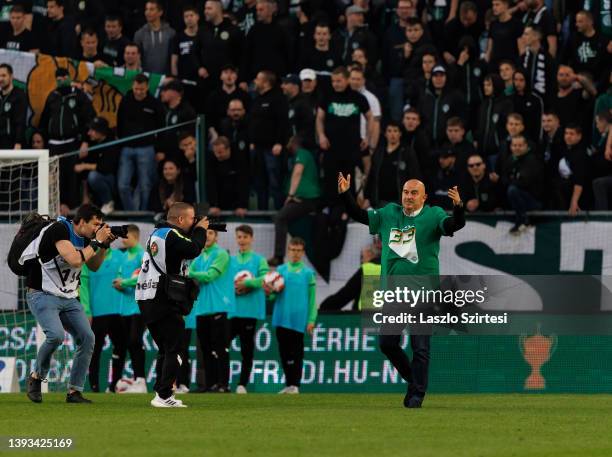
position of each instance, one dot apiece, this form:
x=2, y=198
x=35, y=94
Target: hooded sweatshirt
x=491, y=120
x=156, y=47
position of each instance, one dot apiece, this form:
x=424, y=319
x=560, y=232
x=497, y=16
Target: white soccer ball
x=243, y=275
x=123, y=385
x=275, y=281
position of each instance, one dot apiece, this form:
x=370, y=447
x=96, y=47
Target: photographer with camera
x=165, y=294
x=54, y=258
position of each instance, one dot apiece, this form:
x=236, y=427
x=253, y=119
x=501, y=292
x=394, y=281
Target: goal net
x=29, y=181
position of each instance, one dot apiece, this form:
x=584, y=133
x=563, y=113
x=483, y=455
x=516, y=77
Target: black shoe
x=275, y=261
x=517, y=229
x=76, y=397
x=34, y=392
x=413, y=402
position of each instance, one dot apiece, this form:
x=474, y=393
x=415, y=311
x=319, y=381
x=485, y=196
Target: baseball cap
x=354, y=9
x=438, y=69
x=291, y=79
x=100, y=125
x=308, y=74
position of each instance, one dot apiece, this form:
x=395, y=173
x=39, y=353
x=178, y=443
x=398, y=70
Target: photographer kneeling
x=56, y=256
x=165, y=294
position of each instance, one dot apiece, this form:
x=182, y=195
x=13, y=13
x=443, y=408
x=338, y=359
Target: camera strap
x=159, y=270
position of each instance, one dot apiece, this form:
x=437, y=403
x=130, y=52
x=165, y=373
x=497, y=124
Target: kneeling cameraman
x=163, y=274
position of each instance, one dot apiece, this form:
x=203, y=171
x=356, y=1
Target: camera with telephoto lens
x=212, y=225
x=119, y=231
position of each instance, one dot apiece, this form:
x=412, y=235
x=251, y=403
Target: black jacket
x=407, y=168
x=437, y=109
x=268, y=119
x=485, y=191
x=418, y=142
x=183, y=112
x=218, y=102
x=182, y=248
x=344, y=44
x=219, y=46
x=302, y=115
x=491, y=123
x=60, y=39
x=227, y=182
x=67, y=114
x=266, y=48
x=134, y=117
x=13, y=111
x=526, y=173
x=238, y=134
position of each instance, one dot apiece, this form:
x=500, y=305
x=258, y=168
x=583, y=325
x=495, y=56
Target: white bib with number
x=403, y=243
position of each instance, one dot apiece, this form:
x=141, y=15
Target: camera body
x=119, y=231
x=212, y=225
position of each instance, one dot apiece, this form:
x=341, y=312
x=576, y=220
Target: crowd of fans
x=509, y=101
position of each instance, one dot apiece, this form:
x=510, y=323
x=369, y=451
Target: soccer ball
x=243, y=275
x=123, y=385
x=274, y=281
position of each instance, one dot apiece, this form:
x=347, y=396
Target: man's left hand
x=310, y=328
x=277, y=149
x=453, y=194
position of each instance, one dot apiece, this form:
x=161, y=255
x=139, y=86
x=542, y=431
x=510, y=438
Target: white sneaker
x=169, y=402
x=293, y=390
x=123, y=385
x=182, y=389
x=108, y=208
x=285, y=390
x=241, y=390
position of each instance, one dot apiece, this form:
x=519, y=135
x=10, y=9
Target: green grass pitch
x=316, y=425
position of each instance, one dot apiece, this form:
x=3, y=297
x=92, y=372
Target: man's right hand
x=494, y=177
x=104, y=235
x=203, y=223
x=472, y=205
x=344, y=184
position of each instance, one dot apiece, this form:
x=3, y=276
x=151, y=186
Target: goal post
x=29, y=181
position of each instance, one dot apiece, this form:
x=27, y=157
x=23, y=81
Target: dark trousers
x=70, y=189
x=291, y=350
x=111, y=325
x=415, y=373
x=213, y=333
x=184, y=374
x=244, y=328
x=521, y=201
x=291, y=211
x=168, y=335
x=268, y=177
x=134, y=328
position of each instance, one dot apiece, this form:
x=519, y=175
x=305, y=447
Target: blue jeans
x=521, y=201
x=54, y=314
x=268, y=178
x=140, y=160
x=396, y=98
x=102, y=186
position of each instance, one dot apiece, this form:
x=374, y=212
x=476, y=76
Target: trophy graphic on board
x=537, y=350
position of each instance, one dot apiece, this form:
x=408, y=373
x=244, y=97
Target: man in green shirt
x=410, y=235
x=303, y=192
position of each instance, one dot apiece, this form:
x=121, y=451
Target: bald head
x=181, y=215
x=413, y=195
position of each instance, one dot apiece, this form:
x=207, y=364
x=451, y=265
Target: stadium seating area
x=509, y=101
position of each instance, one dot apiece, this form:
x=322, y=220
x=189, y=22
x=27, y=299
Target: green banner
x=341, y=357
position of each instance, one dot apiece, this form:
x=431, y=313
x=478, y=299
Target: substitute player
x=295, y=312
x=250, y=300
x=410, y=235
x=216, y=299
x=133, y=324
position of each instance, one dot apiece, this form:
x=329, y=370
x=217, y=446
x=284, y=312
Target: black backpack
x=30, y=228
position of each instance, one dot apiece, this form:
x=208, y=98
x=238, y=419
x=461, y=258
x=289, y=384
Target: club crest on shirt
x=403, y=243
x=154, y=249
